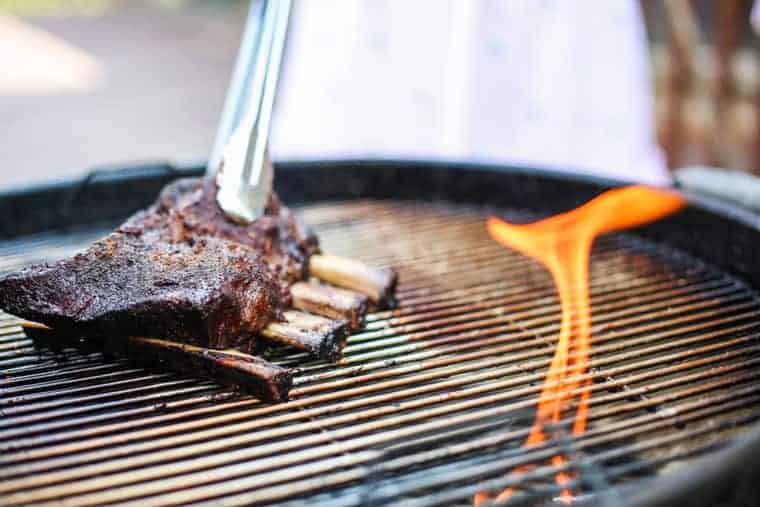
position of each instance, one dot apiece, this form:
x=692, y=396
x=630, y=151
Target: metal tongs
x=240, y=158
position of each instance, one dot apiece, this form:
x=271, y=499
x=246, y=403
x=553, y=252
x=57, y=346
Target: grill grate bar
x=366, y=388
x=407, y=347
x=165, y=381
x=445, y=383
x=547, y=472
x=53, y=429
x=251, y=474
x=524, y=310
x=525, y=270
x=362, y=381
x=410, y=430
x=620, y=287
x=412, y=353
x=151, y=398
x=100, y=372
x=374, y=490
x=290, y=431
x=482, y=293
x=33, y=371
x=287, y=476
x=130, y=383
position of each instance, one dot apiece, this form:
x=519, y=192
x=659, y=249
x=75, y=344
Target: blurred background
x=707, y=92
x=93, y=82
x=88, y=83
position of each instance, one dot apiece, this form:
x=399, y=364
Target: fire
x=562, y=243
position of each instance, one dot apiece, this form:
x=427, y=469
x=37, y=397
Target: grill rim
x=719, y=232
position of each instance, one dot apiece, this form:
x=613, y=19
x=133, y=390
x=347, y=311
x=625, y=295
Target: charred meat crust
x=178, y=270
x=188, y=210
x=212, y=293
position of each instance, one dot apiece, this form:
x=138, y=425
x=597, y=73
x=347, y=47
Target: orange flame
x=562, y=243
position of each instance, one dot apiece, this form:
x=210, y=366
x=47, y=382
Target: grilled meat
x=212, y=292
x=187, y=209
x=194, y=282
x=179, y=270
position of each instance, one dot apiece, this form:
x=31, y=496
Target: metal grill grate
x=433, y=400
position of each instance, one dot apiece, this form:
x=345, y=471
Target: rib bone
x=319, y=336
x=377, y=283
x=253, y=374
x=330, y=302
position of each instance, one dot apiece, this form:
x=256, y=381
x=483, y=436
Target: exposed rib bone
x=255, y=375
x=330, y=302
x=377, y=283
x=319, y=336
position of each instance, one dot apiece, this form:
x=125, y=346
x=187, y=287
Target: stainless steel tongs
x=239, y=158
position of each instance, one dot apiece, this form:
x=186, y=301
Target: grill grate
x=433, y=400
